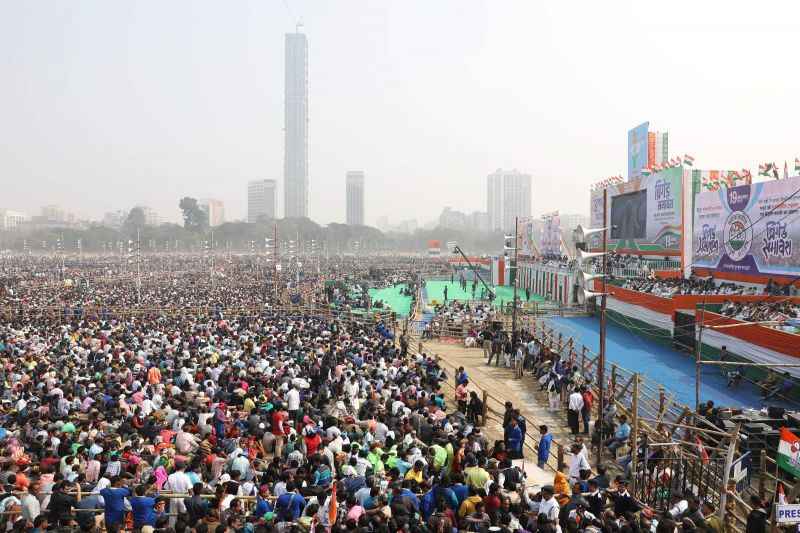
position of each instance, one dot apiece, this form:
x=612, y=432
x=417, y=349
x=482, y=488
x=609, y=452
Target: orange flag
x=333, y=509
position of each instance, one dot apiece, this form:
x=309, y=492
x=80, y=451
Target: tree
x=194, y=218
x=135, y=221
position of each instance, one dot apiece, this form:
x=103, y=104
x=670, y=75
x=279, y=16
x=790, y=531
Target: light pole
x=587, y=277
x=138, y=270
x=514, y=271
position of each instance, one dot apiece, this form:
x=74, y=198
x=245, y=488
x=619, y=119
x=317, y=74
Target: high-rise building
x=355, y=198
x=115, y=219
x=151, y=217
x=11, y=220
x=295, y=160
x=452, y=219
x=53, y=213
x=214, y=209
x=260, y=200
x=508, y=196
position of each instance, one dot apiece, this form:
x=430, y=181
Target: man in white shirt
x=178, y=482
x=577, y=463
x=293, y=403
x=549, y=506
x=574, y=410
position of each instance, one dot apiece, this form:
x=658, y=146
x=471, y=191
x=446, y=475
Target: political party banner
x=748, y=229
x=637, y=150
x=550, y=241
x=643, y=215
x=525, y=240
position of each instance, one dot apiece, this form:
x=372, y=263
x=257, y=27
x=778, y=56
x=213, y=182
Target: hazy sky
x=109, y=103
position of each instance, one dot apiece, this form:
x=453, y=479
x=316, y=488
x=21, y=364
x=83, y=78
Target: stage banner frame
x=664, y=217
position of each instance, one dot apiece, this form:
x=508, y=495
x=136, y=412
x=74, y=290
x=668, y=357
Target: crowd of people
x=764, y=311
x=218, y=408
x=460, y=319
x=669, y=287
x=557, y=261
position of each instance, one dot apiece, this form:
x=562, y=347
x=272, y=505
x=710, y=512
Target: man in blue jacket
x=514, y=439
x=544, y=446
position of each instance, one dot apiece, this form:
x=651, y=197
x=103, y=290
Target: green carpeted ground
x=391, y=296
x=454, y=292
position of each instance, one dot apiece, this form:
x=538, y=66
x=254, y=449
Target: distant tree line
x=195, y=235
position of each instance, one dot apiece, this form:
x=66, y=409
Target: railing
x=654, y=408
x=641, y=270
x=111, y=313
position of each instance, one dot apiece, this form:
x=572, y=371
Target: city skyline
x=117, y=108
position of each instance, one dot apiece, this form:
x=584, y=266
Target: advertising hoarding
x=749, y=229
x=645, y=213
x=637, y=150
x=550, y=241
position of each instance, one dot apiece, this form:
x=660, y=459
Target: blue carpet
x=661, y=364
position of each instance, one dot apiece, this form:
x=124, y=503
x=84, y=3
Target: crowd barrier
x=657, y=409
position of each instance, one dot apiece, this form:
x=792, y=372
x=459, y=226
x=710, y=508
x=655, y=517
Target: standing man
x=545, y=440
x=586, y=412
x=486, y=335
x=293, y=403
x=514, y=439
x=574, y=410
x=114, y=498
x=180, y=483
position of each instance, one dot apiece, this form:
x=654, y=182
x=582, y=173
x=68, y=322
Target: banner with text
x=749, y=229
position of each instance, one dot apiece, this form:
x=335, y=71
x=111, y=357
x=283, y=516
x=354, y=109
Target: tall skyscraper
x=508, y=196
x=260, y=200
x=355, y=198
x=295, y=160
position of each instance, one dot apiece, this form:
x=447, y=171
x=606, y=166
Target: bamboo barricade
x=648, y=406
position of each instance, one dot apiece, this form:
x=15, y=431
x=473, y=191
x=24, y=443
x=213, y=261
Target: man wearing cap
x=623, y=501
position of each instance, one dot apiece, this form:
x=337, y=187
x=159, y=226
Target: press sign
x=787, y=513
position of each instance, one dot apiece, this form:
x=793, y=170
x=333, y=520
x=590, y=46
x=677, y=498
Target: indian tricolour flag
x=789, y=452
